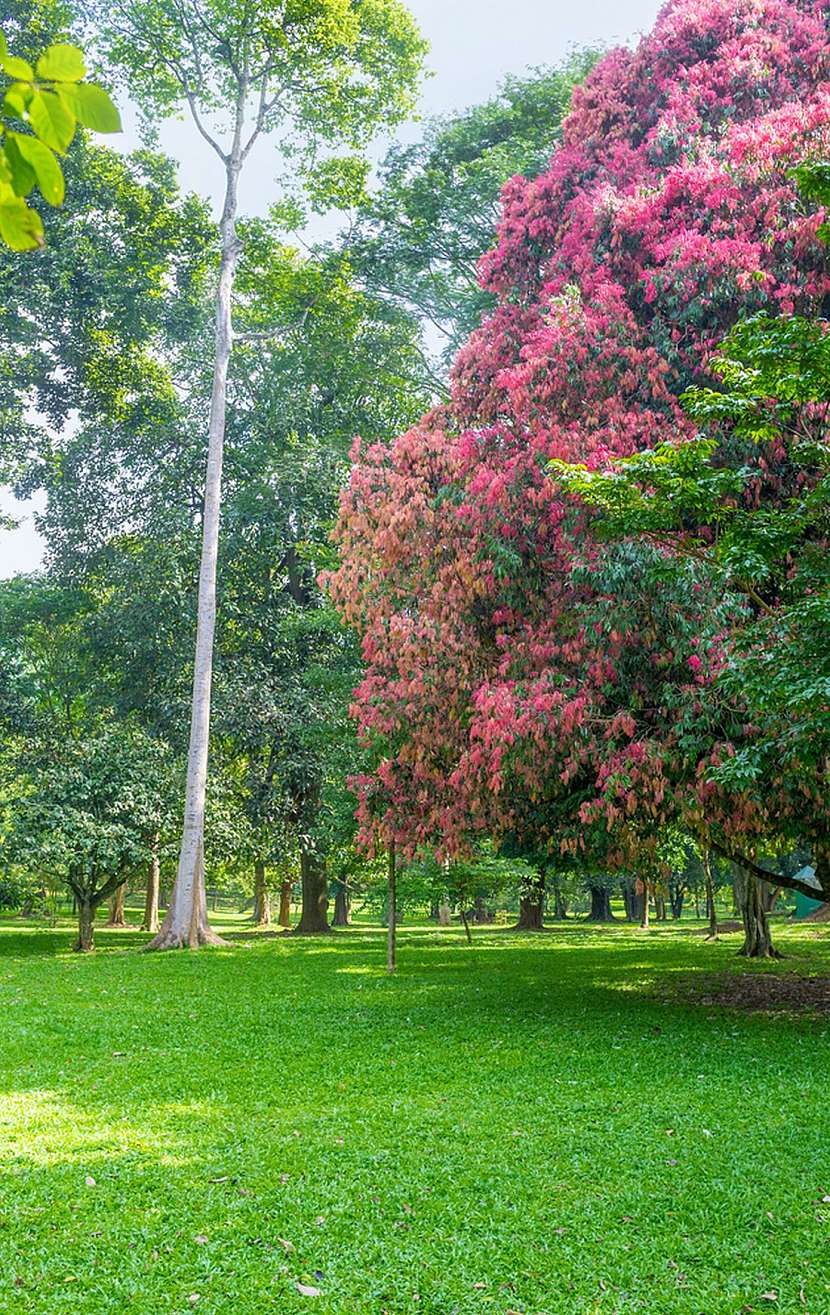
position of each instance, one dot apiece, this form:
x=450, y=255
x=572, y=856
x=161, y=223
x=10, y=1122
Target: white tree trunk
x=186, y=923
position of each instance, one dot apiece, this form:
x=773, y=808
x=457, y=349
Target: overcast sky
x=474, y=44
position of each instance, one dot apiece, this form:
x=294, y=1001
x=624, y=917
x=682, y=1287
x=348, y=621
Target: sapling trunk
x=392, y=924
x=711, y=911
x=466, y=924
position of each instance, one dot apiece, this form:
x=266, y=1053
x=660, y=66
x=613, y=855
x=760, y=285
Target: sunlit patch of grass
x=524, y=1125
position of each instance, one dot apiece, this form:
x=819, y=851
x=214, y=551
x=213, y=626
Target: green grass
x=486, y=1132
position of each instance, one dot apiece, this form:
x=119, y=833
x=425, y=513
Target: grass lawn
x=523, y=1126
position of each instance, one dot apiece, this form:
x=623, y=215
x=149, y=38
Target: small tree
x=90, y=812
x=318, y=72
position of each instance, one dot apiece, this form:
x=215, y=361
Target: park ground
x=567, y=1122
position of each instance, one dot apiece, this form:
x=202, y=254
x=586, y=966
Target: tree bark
x=444, y=916
x=600, y=905
x=313, y=914
x=532, y=906
x=151, y=899
x=757, y=936
x=392, y=915
x=116, y=918
x=646, y=903
x=262, y=896
x=86, y=926
x=186, y=923
x=342, y=904
x=677, y=895
x=285, y=903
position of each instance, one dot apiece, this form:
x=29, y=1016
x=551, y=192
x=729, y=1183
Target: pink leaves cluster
x=495, y=691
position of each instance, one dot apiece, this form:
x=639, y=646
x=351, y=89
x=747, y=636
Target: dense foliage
x=524, y=678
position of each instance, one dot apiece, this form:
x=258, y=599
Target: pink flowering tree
x=525, y=679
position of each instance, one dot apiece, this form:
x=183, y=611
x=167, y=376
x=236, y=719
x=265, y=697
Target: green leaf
x=4, y=49
x=16, y=68
x=23, y=177
x=42, y=161
x=93, y=107
x=52, y=120
x=61, y=63
x=16, y=99
x=20, y=227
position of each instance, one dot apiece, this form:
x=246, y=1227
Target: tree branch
x=775, y=878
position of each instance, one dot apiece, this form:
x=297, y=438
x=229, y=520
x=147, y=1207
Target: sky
x=474, y=44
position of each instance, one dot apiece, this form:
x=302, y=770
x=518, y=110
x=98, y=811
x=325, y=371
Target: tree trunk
x=186, y=923
x=313, y=915
x=677, y=894
x=151, y=900
x=86, y=926
x=481, y=913
x=711, y=910
x=342, y=904
x=769, y=895
x=757, y=937
x=628, y=900
x=116, y=918
x=463, y=914
x=444, y=917
x=600, y=905
x=262, y=896
x=285, y=903
x=532, y=906
x=392, y=917
x=646, y=903
x=560, y=904
x=660, y=908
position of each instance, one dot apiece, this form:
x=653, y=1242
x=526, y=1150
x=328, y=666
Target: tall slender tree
x=321, y=72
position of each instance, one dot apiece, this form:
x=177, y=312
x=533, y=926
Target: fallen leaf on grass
x=305, y=1290
x=200, y=1239
x=285, y=1244
x=89, y=1180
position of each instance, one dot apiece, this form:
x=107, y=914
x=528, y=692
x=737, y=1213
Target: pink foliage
x=668, y=211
